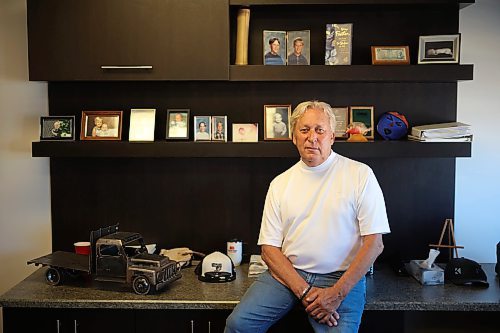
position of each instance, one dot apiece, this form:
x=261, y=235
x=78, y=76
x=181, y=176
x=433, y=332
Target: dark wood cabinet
x=68, y=320
x=128, y=40
x=181, y=321
x=171, y=191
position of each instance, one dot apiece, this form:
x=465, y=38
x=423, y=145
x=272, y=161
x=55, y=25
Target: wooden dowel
x=447, y=246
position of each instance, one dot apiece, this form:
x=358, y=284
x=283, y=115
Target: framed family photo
x=363, y=115
x=246, y=132
x=390, y=55
x=177, y=124
x=439, y=49
x=342, y=120
x=57, y=128
x=142, y=125
x=202, y=128
x=277, y=122
x=274, y=47
x=101, y=125
x=298, y=48
x=219, y=126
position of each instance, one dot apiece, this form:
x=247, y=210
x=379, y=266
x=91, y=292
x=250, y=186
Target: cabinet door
x=68, y=320
x=133, y=40
x=181, y=321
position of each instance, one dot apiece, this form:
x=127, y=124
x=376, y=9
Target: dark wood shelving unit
x=163, y=149
x=353, y=73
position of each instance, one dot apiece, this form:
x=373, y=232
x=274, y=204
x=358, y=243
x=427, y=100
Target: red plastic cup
x=82, y=248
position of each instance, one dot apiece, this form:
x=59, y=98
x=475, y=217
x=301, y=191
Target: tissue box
x=427, y=277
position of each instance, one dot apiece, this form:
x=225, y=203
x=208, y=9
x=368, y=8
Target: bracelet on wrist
x=305, y=292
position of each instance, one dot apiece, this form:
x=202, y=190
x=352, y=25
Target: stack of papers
x=257, y=265
x=443, y=132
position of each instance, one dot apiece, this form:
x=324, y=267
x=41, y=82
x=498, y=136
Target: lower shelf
x=164, y=149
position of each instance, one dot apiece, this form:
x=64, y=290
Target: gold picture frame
x=390, y=55
x=277, y=122
x=101, y=125
x=363, y=114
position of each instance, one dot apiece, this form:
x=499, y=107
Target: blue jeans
x=267, y=301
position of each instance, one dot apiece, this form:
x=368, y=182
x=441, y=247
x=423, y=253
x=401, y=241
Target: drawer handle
x=127, y=67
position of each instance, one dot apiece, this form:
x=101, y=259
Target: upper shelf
x=353, y=73
x=164, y=149
x=463, y=3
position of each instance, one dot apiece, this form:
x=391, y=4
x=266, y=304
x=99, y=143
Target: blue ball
x=392, y=126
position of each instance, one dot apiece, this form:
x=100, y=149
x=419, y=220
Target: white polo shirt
x=317, y=215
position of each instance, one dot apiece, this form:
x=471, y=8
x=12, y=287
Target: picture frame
x=363, y=114
x=342, y=120
x=277, y=122
x=202, y=128
x=274, y=47
x=245, y=132
x=142, y=125
x=177, y=124
x=101, y=125
x=390, y=55
x=298, y=47
x=439, y=49
x=57, y=128
x=219, y=128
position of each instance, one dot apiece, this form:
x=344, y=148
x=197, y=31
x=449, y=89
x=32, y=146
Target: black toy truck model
x=115, y=256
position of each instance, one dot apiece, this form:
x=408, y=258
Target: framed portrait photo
x=219, y=128
x=177, y=124
x=57, y=128
x=390, y=55
x=342, y=120
x=246, y=132
x=142, y=125
x=202, y=128
x=274, y=47
x=439, y=49
x=277, y=122
x=101, y=125
x=363, y=115
x=298, y=48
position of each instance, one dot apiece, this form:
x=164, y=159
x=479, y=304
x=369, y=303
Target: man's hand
x=321, y=304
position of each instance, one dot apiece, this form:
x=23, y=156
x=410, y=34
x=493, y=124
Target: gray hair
x=309, y=105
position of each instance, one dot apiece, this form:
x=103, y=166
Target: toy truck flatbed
x=116, y=257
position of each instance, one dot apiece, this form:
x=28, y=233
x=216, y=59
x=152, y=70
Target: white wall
x=24, y=181
x=477, y=198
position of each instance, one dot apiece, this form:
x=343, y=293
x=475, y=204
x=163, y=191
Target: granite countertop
x=385, y=291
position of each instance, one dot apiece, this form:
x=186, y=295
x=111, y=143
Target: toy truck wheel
x=141, y=285
x=53, y=276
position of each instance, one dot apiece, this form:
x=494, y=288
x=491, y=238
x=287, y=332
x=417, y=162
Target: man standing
x=321, y=230
x=296, y=57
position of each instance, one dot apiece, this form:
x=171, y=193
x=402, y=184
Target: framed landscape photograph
x=246, y=132
x=298, y=48
x=277, y=122
x=390, y=55
x=57, y=128
x=101, y=125
x=219, y=128
x=439, y=49
x=202, y=128
x=342, y=120
x=363, y=115
x=274, y=47
x=177, y=124
x=142, y=125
